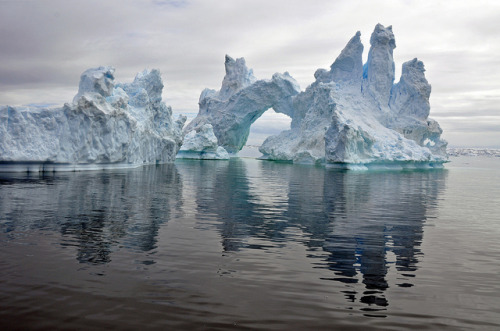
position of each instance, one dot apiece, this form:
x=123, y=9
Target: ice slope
x=107, y=125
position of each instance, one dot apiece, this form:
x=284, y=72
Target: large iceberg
x=240, y=101
x=354, y=116
x=107, y=125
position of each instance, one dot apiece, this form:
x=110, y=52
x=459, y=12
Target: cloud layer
x=46, y=45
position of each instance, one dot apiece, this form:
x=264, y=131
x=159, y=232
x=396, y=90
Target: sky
x=47, y=44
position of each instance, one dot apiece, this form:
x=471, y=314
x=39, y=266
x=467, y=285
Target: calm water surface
x=248, y=244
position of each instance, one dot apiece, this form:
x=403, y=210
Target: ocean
x=247, y=244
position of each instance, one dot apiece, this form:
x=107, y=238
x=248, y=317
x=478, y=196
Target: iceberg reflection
x=93, y=211
x=357, y=225
x=360, y=231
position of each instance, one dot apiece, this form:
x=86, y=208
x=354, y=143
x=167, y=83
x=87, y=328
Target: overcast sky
x=46, y=45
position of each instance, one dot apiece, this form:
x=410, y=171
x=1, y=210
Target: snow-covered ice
x=107, y=125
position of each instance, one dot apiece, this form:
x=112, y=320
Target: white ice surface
x=107, y=125
x=241, y=100
x=201, y=143
x=353, y=114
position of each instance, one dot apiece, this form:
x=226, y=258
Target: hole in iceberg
x=269, y=124
x=429, y=143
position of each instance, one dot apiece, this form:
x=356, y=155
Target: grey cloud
x=47, y=45
x=171, y=3
x=477, y=113
x=478, y=128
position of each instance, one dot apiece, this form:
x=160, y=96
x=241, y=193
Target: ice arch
x=241, y=100
x=352, y=115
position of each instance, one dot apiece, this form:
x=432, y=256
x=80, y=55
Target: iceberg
x=201, y=143
x=241, y=100
x=107, y=125
x=354, y=116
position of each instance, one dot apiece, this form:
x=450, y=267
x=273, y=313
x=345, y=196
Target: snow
x=107, y=125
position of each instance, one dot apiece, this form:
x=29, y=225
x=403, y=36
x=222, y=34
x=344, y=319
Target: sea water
x=250, y=244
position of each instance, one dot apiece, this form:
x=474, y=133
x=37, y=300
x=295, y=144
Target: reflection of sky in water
x=348, y=221
x=93, y=211
x=282, y=226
